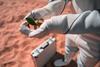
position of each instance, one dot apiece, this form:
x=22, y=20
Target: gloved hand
x=33, y=14
x=33, y=18
x=57, y=24
x=24, y=28
x=55, y=7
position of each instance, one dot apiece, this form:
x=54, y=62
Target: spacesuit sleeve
x=87, y=22
x=53, y=8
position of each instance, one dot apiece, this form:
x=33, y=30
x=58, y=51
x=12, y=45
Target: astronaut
x=82, y=30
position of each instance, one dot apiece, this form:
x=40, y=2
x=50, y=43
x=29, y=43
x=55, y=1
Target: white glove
x=33, y=14
x=24, y=29
x=53, y=8
x=57, y=24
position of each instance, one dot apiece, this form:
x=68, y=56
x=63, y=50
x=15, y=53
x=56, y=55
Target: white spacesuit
x=82, y=30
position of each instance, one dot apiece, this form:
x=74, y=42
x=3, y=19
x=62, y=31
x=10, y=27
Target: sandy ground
x=15, y=48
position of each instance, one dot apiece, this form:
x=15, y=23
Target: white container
x=44, y=52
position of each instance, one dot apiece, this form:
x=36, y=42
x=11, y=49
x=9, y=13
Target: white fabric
x=51, y=9
x=83, y=5
x=88, y=51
